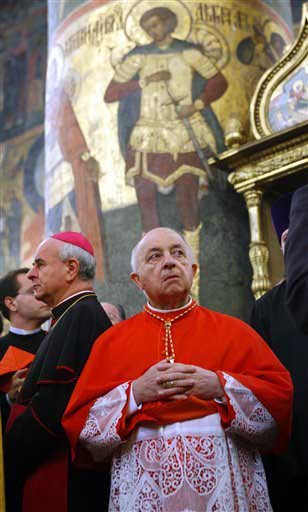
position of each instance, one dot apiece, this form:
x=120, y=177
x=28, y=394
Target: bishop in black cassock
x=39, y=473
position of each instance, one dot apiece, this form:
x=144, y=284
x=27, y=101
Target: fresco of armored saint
x=158, y=86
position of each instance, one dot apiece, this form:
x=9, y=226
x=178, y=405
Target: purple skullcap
x=74, y=238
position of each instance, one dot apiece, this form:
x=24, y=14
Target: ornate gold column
x=258, y=251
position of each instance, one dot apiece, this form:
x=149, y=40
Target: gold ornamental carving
x=273, y=157
x=273, y=83
x=276, y=161
x=253, y=198
x=282, y=159
x=259, y=256
x=247, y=173
x=279, y=158
x=234, y=132
x=266, y=166
x=258, y=251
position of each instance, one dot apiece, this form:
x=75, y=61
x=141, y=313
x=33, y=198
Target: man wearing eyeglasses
x=18, y=347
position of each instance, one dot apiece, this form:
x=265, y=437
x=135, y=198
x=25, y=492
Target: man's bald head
x=144, y=239
x=164, y=268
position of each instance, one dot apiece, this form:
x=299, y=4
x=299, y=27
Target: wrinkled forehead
x=47, y=248
x=162, y=239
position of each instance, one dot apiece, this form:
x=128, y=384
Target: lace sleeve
x=252, y=420
x=99, y=435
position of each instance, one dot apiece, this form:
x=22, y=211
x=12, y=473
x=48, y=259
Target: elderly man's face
x=164, y=268
x=49, y=273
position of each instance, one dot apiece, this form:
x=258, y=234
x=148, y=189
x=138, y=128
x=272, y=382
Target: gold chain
x=64, y=313
x=170, y=354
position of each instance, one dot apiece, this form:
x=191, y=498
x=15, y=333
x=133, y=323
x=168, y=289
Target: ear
x=194, y=268
x=10, y=303
x=135, y=277
x=72, y=265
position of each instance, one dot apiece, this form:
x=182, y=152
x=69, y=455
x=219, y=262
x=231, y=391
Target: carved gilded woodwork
x=290, y=71
x=269, y=159
x=278, y=161
x=272, y=165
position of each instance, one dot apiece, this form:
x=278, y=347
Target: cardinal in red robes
x=179, y=398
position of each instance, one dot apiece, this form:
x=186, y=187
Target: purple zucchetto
x=74, y=238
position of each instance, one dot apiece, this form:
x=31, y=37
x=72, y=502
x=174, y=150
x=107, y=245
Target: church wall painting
x=22, y=71
x=289, y=102
x=21, y=198
x=22, y=90
x=129, y=121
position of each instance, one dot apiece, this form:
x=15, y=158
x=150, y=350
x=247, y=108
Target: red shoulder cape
x=203, y=338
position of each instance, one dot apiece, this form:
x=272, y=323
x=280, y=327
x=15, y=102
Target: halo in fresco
x=214, y=44
x=135, y=33
x=72, y=84
x=55, y=68
x=272, y=34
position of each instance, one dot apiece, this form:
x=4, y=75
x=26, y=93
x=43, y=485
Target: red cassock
x=258, y=399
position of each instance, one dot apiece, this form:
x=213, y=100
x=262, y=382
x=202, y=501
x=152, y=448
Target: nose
x=168, y=261
x=31, y=274
x=152, y=33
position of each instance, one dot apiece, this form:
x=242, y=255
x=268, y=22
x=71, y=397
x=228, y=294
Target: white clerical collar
x=23, y=332
x=169, y=310
x=71, y=296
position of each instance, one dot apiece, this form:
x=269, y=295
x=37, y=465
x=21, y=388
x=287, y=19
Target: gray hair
x=135, y=251
x=87, y=264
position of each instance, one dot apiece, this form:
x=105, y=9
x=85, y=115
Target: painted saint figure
x=72, y=180
x=154, y=141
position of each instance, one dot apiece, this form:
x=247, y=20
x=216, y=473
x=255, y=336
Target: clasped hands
x=176, y=381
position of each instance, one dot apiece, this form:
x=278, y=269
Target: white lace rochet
x=188, y=466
